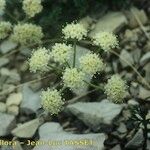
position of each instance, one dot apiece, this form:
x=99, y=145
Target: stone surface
x=13, y=109
x=65, y=142
x=117, y=147
x=95, y=113
x=146, y=68
x=7, y=123
x=136, y=141
x=111, y=22
x=26, y=130
x=136, y=13
x=31, y=101
x=144, y=93
x=3, y=61
x=7, y=46
x=133, y=102
x=14, y=99
x=12, y=75
x=145, y=58
x=126, y=56
x=122, y=128
x=2, y=107
x=48, y=128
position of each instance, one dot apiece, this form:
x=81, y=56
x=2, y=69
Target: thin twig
x=11, y=16
x=75, y=99
x=140, y=24
x=135, y=70
x=22, y=84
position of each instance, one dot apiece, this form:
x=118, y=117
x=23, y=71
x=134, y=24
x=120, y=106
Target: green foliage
x=57, y=12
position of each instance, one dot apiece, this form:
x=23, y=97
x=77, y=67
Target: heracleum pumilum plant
x=73, y=77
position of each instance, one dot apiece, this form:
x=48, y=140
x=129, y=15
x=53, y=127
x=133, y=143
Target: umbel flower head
x=61, y=52
x=5, y=29
x=27, y=34
x=39, y=60
x=91, y=63
x=32, y=7
x=73, y=79
x=105, y=40
x=116, y=89
x=52, y=101
x=2, y=5
x=74, y=31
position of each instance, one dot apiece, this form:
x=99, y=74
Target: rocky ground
x=92, y=117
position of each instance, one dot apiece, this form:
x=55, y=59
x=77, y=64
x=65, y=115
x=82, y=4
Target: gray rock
x=136, y=13
x=86, y=21
x=133, y=102
x=136, y=141
x=26, y=130
x=112, y=22
x=147, y=72
x=7, y=46
x=2, y=107
x=126, y=56
x=31, y=101
x=117, y=147
x=3, y=61
x=7, y=123
x=122, y=128
x=13, y=109
x=12, y=75
x=48, y=128
x=72, y=142
x=145, y=58
x=14, y=99
x=144, y=93
x=95, y=113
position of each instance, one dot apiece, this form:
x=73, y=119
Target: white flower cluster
x=32, y=7
x=27, y=33
x=39, y=60
x=73, y=79
x=74, y=31
x=52, y=101
x=116, y=89
x=61, y=52
x=105, y=40
x=2, y=5
x=91, y=63
x=5, y=29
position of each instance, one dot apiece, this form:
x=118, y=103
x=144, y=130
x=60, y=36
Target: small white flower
x=27, y=34
x=39, y=60
x=52, y=101
x=73, y=79
x=61, y=52
x=105, y=40
x=74, y=31
x=2, y=5
x=116, y=89
x=91, y=63
x=5, y=29
x=32, y=7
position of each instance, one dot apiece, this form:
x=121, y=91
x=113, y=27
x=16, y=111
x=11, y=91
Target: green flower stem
x=74, y=57
x=11, y=16
x=58, y=70
x=94, y=86
x=67, y=64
